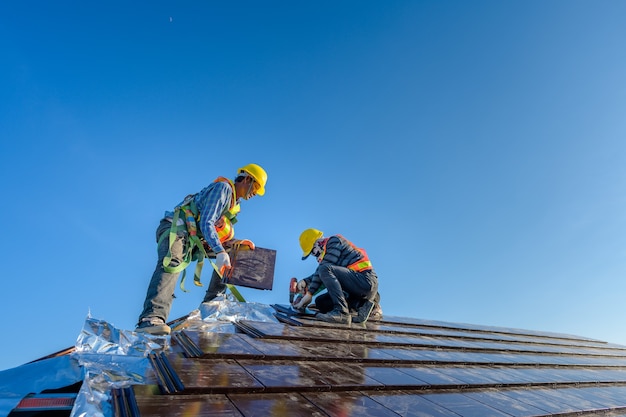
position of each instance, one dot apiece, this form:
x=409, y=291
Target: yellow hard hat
x=307, y=240
x=258, y=173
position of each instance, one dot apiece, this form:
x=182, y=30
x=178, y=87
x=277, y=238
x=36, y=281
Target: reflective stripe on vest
x=225, y=229
x=361, y=265
x=224, y=226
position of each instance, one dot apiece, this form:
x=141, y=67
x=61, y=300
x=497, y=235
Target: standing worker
x=342, y=268
x=198, y=228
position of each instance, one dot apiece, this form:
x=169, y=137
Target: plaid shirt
x=212, y=202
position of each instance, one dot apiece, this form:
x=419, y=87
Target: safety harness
x=361, y=265
x=190, y=213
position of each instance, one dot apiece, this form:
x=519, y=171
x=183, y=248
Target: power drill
x=294, y=295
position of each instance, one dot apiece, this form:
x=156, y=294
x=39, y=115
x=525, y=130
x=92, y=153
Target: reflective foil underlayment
x=111, y=358
x=114, y=358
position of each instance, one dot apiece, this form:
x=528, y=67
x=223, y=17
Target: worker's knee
x=325, y=269
x=332, y=270
x=327, y=273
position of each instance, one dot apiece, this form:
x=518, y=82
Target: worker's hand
x=222, y=261
x=304, y=301
x=248, y=243
x=302, y=287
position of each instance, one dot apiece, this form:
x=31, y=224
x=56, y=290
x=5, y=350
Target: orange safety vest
x=361, y=265
x=224, y=226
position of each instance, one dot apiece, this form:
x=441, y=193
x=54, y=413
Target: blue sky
x=474, y=149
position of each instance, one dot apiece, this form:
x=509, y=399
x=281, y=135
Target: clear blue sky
x=476, y=149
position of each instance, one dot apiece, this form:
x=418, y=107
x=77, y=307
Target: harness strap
x=172, y=238
x=233, y=290
x=194, y=242
x=190, y=211
x=229, y=273
x=187, y=258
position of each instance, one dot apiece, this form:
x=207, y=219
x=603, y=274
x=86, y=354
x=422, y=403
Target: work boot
x=335, y=316
x=376, y=314
x=154, y=326
x=363, y=312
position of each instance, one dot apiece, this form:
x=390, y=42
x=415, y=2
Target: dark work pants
x=160, y=292
x=338, y=279
x=216, y=287
x=324, y=304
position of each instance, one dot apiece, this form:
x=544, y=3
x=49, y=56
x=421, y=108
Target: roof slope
x=398, y=366
x=255, y=365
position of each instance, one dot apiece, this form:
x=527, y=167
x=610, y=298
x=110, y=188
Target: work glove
x=302, y=287
x=246, y=242
x=222, y=261
x=304, y=301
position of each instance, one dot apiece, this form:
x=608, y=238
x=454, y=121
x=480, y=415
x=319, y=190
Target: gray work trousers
x=160, y=294
x=338, y=279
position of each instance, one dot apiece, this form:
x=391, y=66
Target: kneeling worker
x=342, y=268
